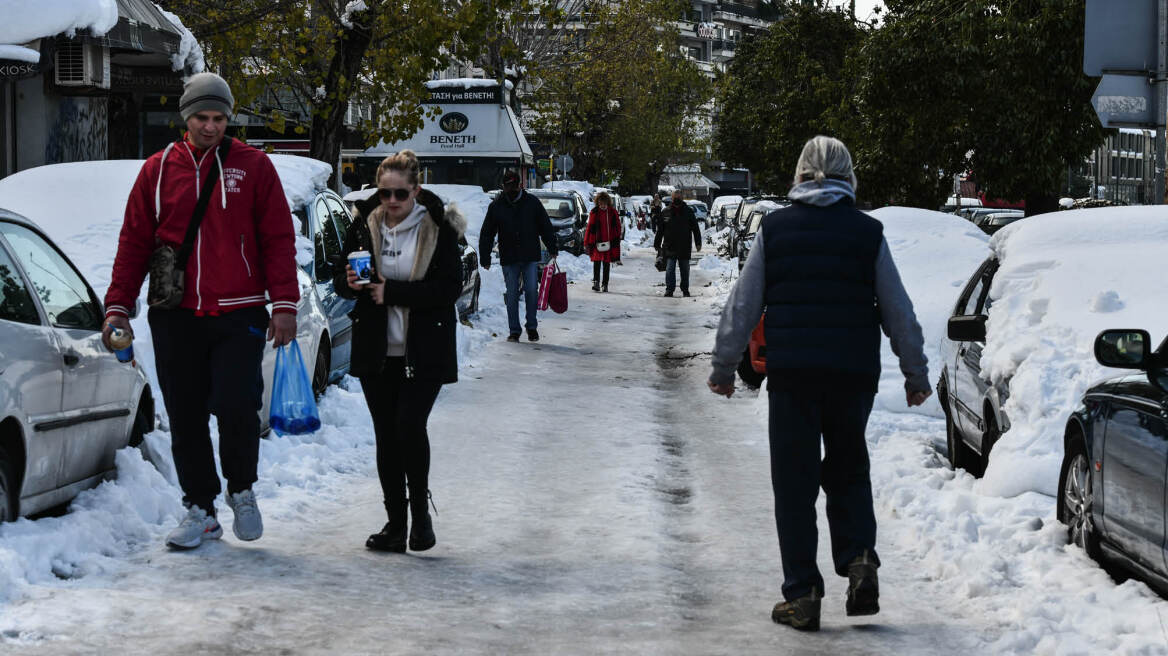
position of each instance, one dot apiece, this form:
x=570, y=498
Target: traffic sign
x=1126, y=101
x=1120, y=35
x=564, y=163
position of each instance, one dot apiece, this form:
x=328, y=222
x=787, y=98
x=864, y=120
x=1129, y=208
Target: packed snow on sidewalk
x=996, y=543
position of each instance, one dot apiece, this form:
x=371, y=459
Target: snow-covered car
x=994, y=221
x=89, y=235
x=741, y=221
x=701, y=213
x=744, y=239
x=468, y=300
x=974, y=419
x=66, y=403
x=1112, y=481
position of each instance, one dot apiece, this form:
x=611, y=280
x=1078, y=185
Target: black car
x=994, y=221
x=741, y=221
x=743, y=236
x=1113, y=478
x=568, y=215
x=973, y=406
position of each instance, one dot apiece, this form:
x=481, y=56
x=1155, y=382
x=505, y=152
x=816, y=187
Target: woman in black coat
x=404, y=336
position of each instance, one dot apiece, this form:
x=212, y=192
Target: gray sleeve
x=741, y=314
x=900, y=323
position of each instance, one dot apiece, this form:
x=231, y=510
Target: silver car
x=66, y=404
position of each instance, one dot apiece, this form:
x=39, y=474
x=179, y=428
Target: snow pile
x=935, y=253
x=723, y=201
x=190, y=54
x=465, y=83
x=27, y=21
x=1064, y=277
x=19, y=53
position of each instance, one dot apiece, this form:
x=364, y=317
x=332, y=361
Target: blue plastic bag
x=293, y=406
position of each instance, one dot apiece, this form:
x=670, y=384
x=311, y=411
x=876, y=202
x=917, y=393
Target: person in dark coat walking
x=403, y=335
x=603, y=232
x=823, y=272
x=673, y=240
x=655, y=213
x=520, y=222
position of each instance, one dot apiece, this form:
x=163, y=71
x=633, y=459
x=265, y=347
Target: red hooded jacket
x=603, y=225
x=244, y=252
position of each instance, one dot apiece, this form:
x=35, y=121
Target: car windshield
x=558, y=207
x=1004, y=219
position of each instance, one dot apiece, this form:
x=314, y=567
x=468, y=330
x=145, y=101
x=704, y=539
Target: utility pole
x=1161, y=101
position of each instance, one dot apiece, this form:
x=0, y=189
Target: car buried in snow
x=66, y=403
x=1112, y=482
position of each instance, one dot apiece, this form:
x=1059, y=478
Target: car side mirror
x=968, y=328
x=1124, y=349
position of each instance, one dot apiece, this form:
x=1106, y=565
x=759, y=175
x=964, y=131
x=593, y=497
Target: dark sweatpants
x=400, y=408
x=211, y=365
x=798, y=417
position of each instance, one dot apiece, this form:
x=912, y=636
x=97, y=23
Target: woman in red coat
x=602, y=239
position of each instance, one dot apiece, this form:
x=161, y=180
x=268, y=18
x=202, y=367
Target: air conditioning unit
x=80, y=64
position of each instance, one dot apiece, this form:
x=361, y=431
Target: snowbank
x=1063, y=278
x=26, y=21
x=935, y=253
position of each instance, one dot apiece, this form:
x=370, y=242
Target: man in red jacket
x=208, y=351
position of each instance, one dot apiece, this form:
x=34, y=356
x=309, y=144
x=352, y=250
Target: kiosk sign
x=11, y=69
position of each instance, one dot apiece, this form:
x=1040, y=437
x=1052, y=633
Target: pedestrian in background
x=602, y=240
x=209, y=349
x=679, y=224
x=403, y=336
x=822, y=271
x=655, y=213
x=521, y=222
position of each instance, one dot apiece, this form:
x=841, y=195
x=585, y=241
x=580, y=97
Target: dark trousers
x=798, y=417
x=400, y=408
x=211, y=365
x=601, y=268
x=671, y=265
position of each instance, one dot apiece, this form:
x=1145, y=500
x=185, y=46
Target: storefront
x=474, y=139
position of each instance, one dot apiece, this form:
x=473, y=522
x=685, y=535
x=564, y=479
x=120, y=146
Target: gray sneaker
x=248, y=524
x=193, y=529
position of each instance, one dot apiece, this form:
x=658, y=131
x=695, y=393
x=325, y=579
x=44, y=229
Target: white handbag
x=603, y=246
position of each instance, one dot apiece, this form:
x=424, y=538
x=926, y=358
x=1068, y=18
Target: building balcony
x=723, y=49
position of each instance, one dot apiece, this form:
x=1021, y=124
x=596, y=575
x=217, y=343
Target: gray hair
x=825, y=157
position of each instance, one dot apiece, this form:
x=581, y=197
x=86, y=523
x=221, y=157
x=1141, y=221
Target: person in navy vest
x=822, y=272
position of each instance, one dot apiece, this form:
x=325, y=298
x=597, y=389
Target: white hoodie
x=399, y=249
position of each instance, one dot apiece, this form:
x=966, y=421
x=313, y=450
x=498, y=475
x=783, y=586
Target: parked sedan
x=751, y=223
x=974, y=419
x=1113, y=478
x=994, y=221
x=566, y=209
x=66, y=404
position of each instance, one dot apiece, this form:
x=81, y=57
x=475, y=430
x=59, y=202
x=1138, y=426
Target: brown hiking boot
x=801, y=613
x=863, y=586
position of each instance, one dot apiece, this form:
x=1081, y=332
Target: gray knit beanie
x=205, y=91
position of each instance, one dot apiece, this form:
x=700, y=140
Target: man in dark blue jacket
x=824, y=274
x=521, y=222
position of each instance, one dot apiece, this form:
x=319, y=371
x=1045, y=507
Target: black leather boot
x=393, y=535
x=422, y=529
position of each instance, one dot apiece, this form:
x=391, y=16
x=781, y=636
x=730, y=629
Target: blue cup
x=126, y=354
x=362, y=264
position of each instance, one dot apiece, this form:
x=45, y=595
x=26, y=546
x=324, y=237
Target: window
x=973, y=299
x=66, y=298
x=16, y=302
x=341, y=218
x=328, y=245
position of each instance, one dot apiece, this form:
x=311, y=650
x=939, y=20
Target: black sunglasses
x=399, y=194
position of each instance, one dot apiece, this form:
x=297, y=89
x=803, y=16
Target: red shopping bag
x=553, y=289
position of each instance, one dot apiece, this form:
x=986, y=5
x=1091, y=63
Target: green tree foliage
x=619, y=96
x=784, y=87
x=322, y=54
x=942, y=86
x=1007, y=89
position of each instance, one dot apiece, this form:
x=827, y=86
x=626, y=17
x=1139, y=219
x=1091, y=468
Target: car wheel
x=988, y=439
x=137, y=435
x=320, y=375
x=958, y=458
x=1076, y=497
x=8, y=492
x=747, y=373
